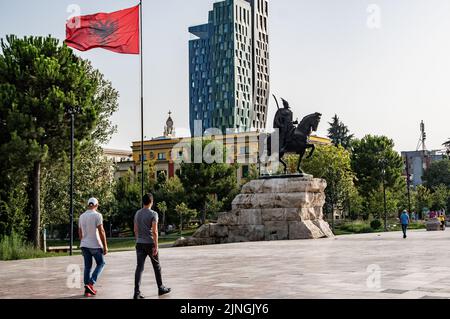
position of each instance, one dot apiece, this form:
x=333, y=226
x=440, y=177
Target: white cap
x=93, y=201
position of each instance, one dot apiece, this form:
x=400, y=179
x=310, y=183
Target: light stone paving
x=354, y=266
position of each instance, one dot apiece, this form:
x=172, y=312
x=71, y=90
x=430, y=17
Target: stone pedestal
x=433, y=225
x=270, y=209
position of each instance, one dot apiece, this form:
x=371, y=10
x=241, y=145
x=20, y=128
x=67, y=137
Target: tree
x=355, y=205
x=332, y=164
x=339, y=133
x=370, y=155
x=171, y=193
x=162, y=207
x=423, y=199
x=440, y=197
x=202, y=180
x=127, y=195
x=437, y=174
x=213, y=207
x=13, y=218
x=185, y=213
x=94, y=177
x=375, y=204
x=378, y=166
x=39, y=81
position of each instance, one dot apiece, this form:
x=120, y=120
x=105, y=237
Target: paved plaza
x=354, y=266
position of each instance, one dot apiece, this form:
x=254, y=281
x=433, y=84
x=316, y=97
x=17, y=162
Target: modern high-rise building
x=229, y=67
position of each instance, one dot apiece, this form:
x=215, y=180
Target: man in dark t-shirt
x=146, y=232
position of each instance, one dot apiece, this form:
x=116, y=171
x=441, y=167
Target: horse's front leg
x=313, y=148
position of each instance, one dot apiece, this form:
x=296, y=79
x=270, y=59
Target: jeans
x=142, y=251
x=88, y=253
x=404, y=228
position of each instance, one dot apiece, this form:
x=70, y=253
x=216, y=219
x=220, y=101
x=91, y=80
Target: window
x=161, y=156
x=245, y=150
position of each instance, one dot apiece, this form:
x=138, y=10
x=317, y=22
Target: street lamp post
x=181, y=225
x=408, y=183
x=71, y=111
x=383, y=174
x=72, y=129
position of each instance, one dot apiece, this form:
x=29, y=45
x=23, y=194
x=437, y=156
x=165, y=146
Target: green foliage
x=93, y=177
x=440, y=197
x=202, y=180
x=375, y=203
x=423, y=198
x=127, y=195
x=355, y=206
x=13, y=247
x=162, y=207
x=185, y=214
x=169, y=192
x=128, y=198
x=339, y=133
x=13, y=218
x=354, y=227
x=213, y=207
x=253, y=173
x=39, y=81
x=437, y=174
x=332, y=164
x=375, y=224
x=375, y=162
x=370, y=155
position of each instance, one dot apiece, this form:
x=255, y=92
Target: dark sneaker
x=87, y=293
x=138, y=296
x=90, y=288
x=163, y=290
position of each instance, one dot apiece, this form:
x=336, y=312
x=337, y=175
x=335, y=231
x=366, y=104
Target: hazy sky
x=324, y=58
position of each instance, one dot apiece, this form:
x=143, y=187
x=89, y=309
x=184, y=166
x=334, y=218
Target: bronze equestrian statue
x=293, y=139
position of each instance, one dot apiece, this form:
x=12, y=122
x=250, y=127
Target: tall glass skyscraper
x=229, y=67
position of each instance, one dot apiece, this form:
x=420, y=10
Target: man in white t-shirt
x=93, y=244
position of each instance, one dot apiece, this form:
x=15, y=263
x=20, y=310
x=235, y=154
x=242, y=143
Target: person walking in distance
x=146, y=232
x=93, y=245
x=404, y=219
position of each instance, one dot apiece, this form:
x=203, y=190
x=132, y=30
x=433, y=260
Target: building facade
x=229, y=68
x=122, y=159
x=417, y=162
x=243, y=149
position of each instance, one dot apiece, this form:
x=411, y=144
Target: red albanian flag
x=116, y=31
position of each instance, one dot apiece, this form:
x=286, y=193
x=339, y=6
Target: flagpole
x=142, y=101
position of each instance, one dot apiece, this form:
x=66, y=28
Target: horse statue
x=293, y=139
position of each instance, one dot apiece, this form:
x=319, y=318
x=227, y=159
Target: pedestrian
x=441, y=219
x=146, y=232
x=93, y=245
x=404, y=219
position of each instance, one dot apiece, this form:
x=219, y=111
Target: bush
x=355, y=227
x=13, y=247
x=375, y=224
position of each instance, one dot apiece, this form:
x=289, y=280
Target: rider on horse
x=284, y=122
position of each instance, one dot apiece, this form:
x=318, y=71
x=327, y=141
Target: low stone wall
x=269, y=209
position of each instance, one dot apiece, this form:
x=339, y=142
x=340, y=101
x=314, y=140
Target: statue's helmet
x=285, y=104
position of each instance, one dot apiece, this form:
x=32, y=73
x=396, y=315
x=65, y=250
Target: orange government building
x=164, y=149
